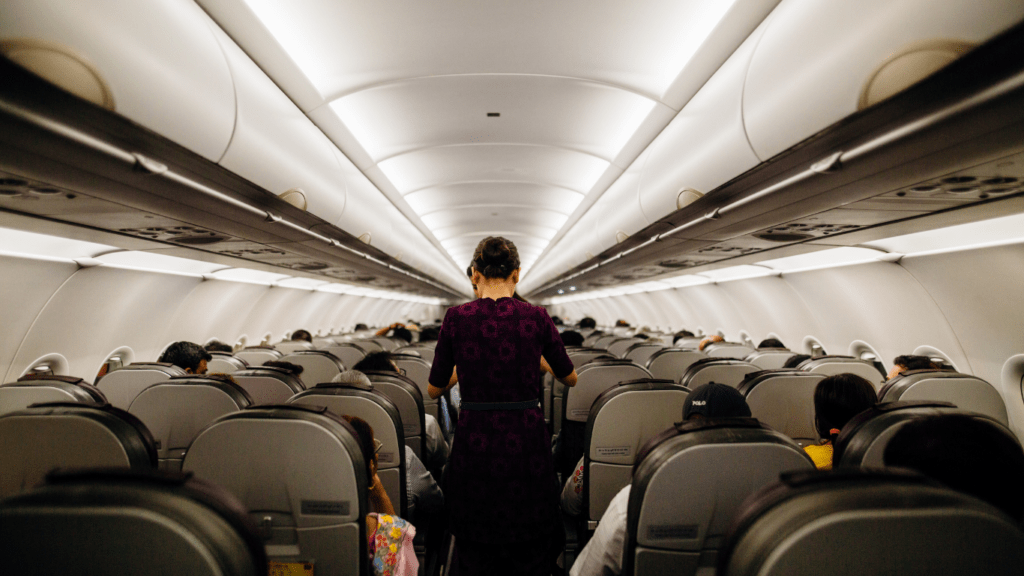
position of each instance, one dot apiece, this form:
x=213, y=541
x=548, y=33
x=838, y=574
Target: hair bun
x=496, y=257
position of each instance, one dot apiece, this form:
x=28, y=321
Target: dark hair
x=771, y=343
x=642, y=336
x=621, y=323
x=572, y=338
x=218, y=346
x=429, y=334
x=293, y=368
x=469, y=271
x=496, y=257
x=516, y=296
x=681, y=334
x=966, y=453
x=402, y=333
x=375, y=361
x=302, y=335
x=796, y=360
x=364, y=433
x=185, y=355
x=839, y=398
x=914, y=362
x=361, y=326
x=588, y=322
x=222, y=376
x=557, y=320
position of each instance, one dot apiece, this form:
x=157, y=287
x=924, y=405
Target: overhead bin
x=818, y=62
x=705, y=145
x=156, y=63
x=366, y=213
x=276, y=146
x=617, y=214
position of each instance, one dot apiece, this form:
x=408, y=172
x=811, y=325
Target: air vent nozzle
x=783, y=237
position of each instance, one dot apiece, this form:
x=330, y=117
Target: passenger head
x=302, y=335
x=796, y=360
x=429, y=334
x=681, y=334
x=710, y=340
x=588, y=322
x=294, y=369
x=402, y=333
x=360, y=327
x=839, y=398
x=641, y=336
x=218, y=346
x=364, y=433
x=771, y=343
x=496, y=258
x=715, y=400
x=572, y=338
x=557, y=320
x=188, y=356
x=621, y=324
x=965, y=453
x=380, y=361
x=352, y=377
x=909, y=362
x=222, y=376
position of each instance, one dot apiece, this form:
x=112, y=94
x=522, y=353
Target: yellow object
x=278, y=568
x=821, y=454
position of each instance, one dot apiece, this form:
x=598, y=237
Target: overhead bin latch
x=830, y=164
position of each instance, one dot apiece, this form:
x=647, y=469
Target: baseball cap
x=715, y=400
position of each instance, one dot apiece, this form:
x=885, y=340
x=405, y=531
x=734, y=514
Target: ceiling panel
x=483, y=194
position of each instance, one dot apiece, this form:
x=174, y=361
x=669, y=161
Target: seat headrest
x=344, y=385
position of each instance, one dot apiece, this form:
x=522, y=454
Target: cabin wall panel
x=770, y=304
x=26, y=285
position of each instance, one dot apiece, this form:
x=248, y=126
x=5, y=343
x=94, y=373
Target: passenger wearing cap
x=602, y=556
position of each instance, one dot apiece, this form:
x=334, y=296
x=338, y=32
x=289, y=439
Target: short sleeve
x=444, y=357
x=554, y=350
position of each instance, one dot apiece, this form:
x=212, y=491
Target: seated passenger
x=360, y=327
x=429, y=334
x=302, y=336
x=602, y=556
x=436, y=453
x=966, y=454
x=588, y=322
x=398, y=330
x=557, y=320
x=771, y=343
x=218, y=346
x=572, y=338
x=188, y=356
x=293, y=369
x=797, y=360
x=837, y=399
x=681, y=334
x=621, y=324
x=713, y=339
x=909, y=362
x=389, y=537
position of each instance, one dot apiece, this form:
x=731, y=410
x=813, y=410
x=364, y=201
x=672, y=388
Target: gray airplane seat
x=257, y=355
x=122, y=385
x=770, y=358
x=418, y=370
x=579, y=358
x=322, y=343
x=728, y=350
x=641, y=351
x=605, y=340
x=863, y=440
x=293, y=346
x=39, y=389
x=349, y=353
x=591, y=337
x=689, y=342
x=115, y=521
x=268, y=384
x=688, y=484
x=408, y=350
x=425, y=350
x=178, y=409
x=857, y=522
x=385, y=343
x=43, y=437
x=225, y=363
x=722, y=370
x=592, y=379
x=301, y=473
x=318, y=365
x=832, y=365
x=382, y=415
x=370, y=345
x=672, y=363
x=622, y=419
x=406, y=396
x=963, y=390
x=784, y=400
x=619, y=346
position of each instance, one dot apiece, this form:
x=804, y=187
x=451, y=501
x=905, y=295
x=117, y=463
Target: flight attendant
x=500, y=483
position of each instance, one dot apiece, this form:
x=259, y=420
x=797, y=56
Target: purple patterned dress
x=500, y=482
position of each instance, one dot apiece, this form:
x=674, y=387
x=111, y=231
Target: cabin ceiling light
x=249, y=276
x=32, y=244
x=301, y=283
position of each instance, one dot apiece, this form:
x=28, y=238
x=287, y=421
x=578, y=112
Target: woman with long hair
x=500, y=483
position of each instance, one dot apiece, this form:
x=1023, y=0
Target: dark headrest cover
x=295, y=407
x=347, y=385
x=67, y=379
x=692, y=426
x=126, y=416
x=859, y=420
